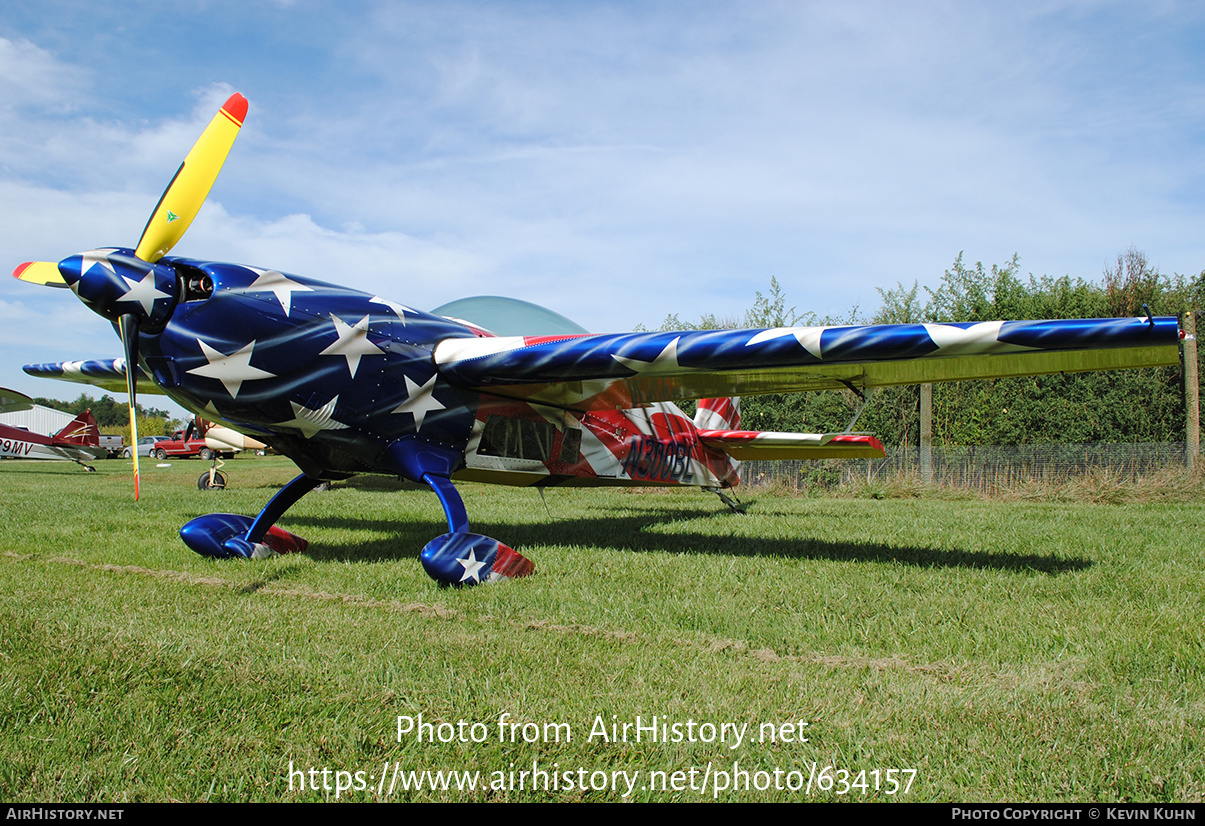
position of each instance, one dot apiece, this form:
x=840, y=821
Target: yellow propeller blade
x=134, y=452
x=182, y=199
x=40, y=272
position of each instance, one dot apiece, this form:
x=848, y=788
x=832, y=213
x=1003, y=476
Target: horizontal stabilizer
x=759, y=444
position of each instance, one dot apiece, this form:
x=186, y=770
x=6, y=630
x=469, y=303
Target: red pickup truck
x=177, y=445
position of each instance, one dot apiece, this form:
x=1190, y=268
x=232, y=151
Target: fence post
x=926, y=432
x=1192, y=390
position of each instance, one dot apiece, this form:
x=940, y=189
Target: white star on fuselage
x=98, y=256
x=143, y=292
x=231, y=370
x=400, y=309
x=278, y=284
x=665, y=362
x=471, y=567
x=310, y=421
x=352, y=343
x=89, y=259
x=420, y=401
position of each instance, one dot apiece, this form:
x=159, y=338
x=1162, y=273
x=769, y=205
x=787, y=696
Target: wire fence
x=986, y=468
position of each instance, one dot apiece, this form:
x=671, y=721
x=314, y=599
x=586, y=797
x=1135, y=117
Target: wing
x=109, y=374
x=623, y=371
x=11, y=401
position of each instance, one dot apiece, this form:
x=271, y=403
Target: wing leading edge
x=109, y=374
x=627, y=370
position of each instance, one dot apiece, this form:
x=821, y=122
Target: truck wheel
x=206, y=454
x=217, y=483
x=160, y=454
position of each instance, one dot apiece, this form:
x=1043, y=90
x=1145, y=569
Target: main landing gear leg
x=463, y=558
x=225, y=535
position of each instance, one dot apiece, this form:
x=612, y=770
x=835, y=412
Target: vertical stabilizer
x=719, y=414
x=722, y=414
x=81, y=431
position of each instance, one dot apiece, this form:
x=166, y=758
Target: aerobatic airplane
x=78, y=442
x=344, y=383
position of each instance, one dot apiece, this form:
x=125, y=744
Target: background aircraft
x=344, y=382
x=219, y=441
x=78, y=442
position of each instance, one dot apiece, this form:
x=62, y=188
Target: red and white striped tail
x=719, y=414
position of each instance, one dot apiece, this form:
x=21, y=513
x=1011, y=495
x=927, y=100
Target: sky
x=614, y=161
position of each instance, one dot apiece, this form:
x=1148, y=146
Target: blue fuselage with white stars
x=327, y=375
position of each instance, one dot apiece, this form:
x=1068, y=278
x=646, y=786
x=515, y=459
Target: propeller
x=128, y=327
x=127, y=286
x=182, y=199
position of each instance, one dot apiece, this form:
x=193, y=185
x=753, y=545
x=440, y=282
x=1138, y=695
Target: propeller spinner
x=127, y=286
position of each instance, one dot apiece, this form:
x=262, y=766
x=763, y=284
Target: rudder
x=82, y=431
x=719, y=414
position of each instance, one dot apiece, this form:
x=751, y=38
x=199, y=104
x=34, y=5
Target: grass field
x=981, y=650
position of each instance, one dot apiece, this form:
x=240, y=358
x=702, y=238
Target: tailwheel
x=734, y=504
x=212, y=479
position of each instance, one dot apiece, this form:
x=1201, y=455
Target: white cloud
x=33, y=77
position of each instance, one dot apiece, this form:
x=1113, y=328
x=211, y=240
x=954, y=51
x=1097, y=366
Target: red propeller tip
x=235, y=108
x=17, y=272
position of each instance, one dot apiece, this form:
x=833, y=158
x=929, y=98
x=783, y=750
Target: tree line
x=113, y=417
x=1125, y=406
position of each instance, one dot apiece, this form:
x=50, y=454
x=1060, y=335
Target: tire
x=218, y=483
x=206, y=454
x=126, y=454
x=160, y=454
